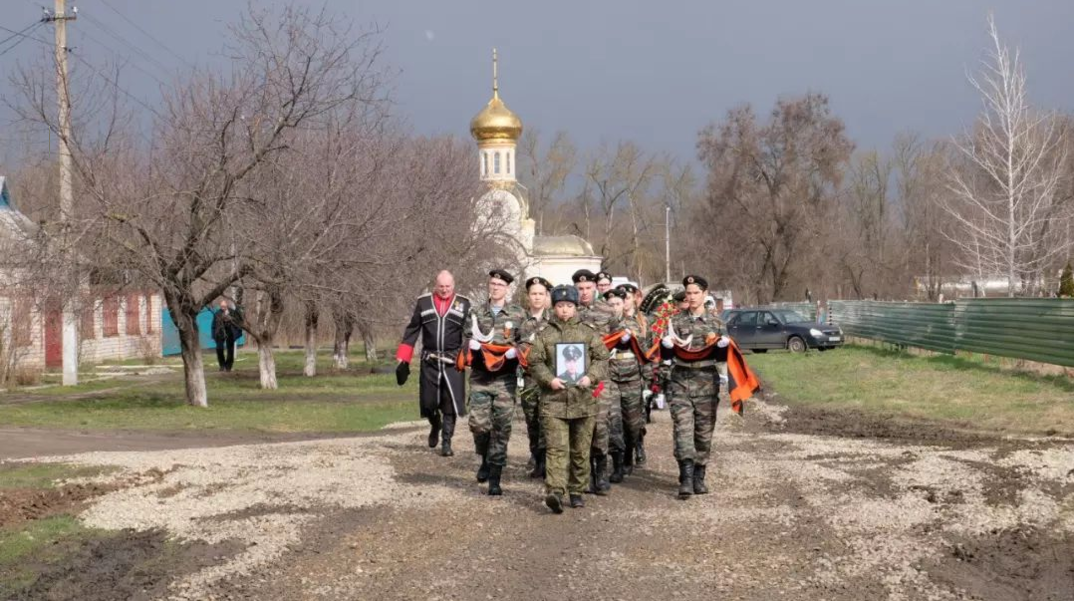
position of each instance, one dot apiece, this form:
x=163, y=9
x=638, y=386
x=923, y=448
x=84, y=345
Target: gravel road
x=793, y=515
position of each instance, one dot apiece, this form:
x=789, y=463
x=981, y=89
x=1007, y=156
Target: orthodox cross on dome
x=496, y=130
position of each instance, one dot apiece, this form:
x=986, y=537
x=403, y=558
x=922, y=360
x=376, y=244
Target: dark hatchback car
x=761, y=329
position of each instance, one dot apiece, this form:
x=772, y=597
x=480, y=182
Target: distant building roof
x=569, y=245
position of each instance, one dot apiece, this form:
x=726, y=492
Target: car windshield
x=788, y=316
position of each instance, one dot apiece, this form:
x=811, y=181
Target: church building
x=497, y=131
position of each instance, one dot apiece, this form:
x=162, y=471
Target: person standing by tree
x=567, y=411
x=440, y=319
x=226, y=331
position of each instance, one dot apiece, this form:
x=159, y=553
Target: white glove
x=511, y=353
x=475, y=345
x=723, y=342
x=668, y=342
x=646, y=395
x=626, y=336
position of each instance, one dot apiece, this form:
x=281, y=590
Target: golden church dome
x=496, y=121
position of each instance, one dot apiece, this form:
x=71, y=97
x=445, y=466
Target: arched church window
x=496, y=163
x=485, y=165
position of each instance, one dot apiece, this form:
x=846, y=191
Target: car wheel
x=796, y=345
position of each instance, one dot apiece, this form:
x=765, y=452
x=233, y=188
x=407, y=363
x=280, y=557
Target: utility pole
x=69, y=290
x=667, y=243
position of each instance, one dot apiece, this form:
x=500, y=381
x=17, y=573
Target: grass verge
x=959, y=390
x=350, y=400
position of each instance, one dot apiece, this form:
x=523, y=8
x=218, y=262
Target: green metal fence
x=1034, y=329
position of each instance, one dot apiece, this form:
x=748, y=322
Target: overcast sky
x=632, y=69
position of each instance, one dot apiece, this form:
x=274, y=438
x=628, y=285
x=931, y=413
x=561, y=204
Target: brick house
x=112, y=325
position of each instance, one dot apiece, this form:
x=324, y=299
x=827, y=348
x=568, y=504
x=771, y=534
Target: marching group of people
x=585, y=363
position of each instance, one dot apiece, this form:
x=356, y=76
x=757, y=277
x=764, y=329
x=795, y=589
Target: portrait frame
x=572, y=361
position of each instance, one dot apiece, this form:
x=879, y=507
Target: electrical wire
x=153, y=38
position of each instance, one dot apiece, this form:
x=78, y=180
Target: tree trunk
x=341, y=346
x=193, y=367
x=370, y=343
x=266, y=364
x=310, y=369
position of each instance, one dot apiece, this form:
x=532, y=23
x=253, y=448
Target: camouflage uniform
x=531, y=393
x=492, y=394
x=603, y=319
x=626, y=419
x=693, y=388
x=567, y=415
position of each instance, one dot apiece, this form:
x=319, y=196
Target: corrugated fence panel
x=925, y=325
x=1037, y=329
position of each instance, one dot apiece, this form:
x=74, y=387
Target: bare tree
x=544, y=176
x=1005, y=194
x=163, y=210
x=764, y=222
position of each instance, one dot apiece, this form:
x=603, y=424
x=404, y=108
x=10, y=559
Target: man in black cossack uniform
x=440, y=318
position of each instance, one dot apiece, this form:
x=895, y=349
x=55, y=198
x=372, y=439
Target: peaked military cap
x=565, y=293
x=602, y=275
x=501, y=274
x=538, y=280
x=583, y=275
x=680, y=296
x=571, y=353
x=617, y=292
x=628, y=287
x=697, y=280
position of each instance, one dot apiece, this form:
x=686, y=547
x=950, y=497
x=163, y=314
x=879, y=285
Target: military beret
x=602, y=275
x=617, y=292
x=697, y=280
x=564, y=293
x=583, y=275
x=628, y=287
x=501, y=274
x=571, y=353
x=538, y=280
x=679, y=297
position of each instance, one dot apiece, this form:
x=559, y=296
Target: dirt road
x=871, y=512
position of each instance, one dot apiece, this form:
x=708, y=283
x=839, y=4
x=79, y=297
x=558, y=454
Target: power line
x=137, y=52
x=153, y=38
x=133, y=47
x=18, y=34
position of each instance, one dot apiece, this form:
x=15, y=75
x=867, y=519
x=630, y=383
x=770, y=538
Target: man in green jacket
x=567, y=410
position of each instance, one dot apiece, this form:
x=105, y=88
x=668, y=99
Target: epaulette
x=426, y=294
x=465, y=298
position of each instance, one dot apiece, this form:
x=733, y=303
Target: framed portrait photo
x=572, y=361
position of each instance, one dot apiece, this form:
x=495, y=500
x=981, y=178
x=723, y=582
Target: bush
x=1066, y=282
x=26, y=376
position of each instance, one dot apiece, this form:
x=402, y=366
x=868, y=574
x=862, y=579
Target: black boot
x=617, y=468
x=592, y=474
x=554, y=502
x=494, y=480
x=434, y=431
x=639, y=450
x=539, y=465
x=484, y=471
x=699, y=481
x=445, y=447
x=577, y=501
x=686, y=478
x=628, y=456
x=602, y=484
